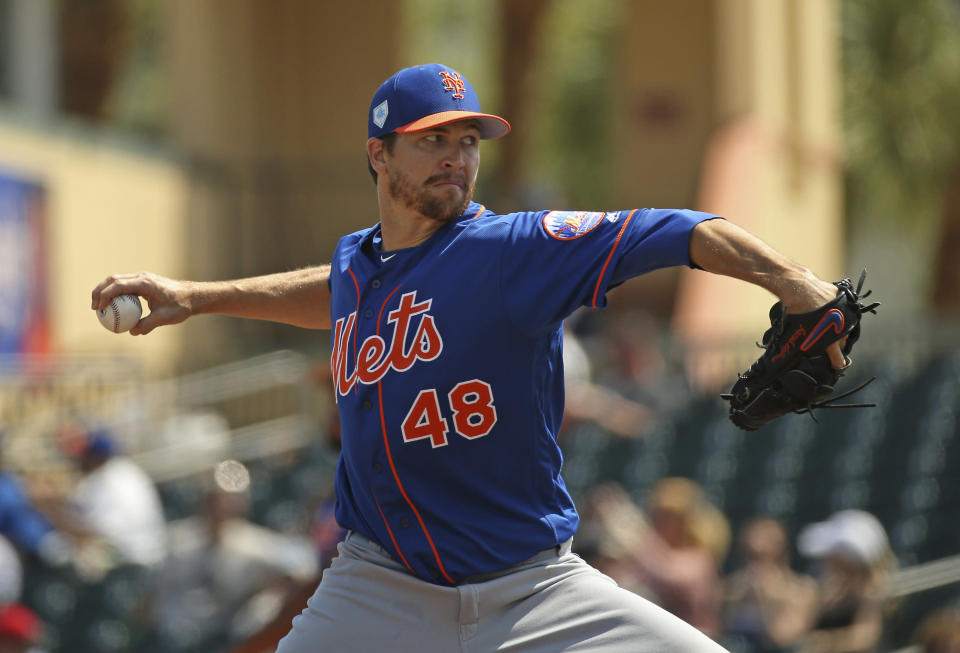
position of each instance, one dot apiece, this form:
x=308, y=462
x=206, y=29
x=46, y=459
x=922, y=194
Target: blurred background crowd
x=173, y=492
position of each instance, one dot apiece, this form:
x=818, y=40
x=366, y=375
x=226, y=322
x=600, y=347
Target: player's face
x=434, y=172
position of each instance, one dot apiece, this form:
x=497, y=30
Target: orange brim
x=491, y=126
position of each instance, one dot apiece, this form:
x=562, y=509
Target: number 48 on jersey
x=473, y=414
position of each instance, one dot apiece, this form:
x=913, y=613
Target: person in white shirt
x=117, y=502
x=225, y=577
x=11, y=573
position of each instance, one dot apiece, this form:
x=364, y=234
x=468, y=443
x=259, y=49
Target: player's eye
x=470, y=140
x=433, y=138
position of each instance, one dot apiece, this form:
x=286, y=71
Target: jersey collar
x=373, y=240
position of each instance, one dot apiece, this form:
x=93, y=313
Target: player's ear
x=376, y=153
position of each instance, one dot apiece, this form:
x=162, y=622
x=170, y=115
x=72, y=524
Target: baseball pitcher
x=445, y=321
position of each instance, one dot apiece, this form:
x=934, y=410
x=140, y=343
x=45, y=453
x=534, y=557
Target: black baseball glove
x=794, y=374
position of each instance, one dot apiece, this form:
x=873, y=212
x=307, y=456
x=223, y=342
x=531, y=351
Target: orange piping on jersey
x=477, y=214
x=390, y=531
x=356, y=322
x=385, y=301
x=406, y=498
x=393, y=468
x=603, y=270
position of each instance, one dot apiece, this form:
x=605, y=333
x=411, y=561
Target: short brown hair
x=388, y=141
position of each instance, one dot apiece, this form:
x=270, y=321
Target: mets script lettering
x=373, y=357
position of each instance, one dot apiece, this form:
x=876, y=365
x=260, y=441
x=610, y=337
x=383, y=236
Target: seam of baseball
x=116, y=316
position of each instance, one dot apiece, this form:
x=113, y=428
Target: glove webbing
x=828, y=402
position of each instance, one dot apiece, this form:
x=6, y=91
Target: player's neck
x=402, y=227
x=404, y=233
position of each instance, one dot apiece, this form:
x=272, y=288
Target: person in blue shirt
x=26, y=527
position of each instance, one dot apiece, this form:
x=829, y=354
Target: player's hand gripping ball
x=121, y=314
x=795, y=375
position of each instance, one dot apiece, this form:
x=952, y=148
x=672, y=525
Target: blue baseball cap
x=99, y=444
x=424, y=97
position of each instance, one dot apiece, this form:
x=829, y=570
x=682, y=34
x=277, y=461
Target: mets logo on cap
x=452, y=82
x=567, y=225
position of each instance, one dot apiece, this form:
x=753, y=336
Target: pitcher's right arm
x=299, y=297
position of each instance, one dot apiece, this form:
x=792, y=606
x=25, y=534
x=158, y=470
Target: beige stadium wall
x=109, y=210
x=663, y=114
x=268, y=105
x=664, y=99
x=266, y=122
x=732, y=107
x=774, y=166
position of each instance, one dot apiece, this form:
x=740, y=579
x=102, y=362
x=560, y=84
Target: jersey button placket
x=375, y=284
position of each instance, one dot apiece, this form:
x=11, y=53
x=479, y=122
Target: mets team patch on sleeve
x=567, y=225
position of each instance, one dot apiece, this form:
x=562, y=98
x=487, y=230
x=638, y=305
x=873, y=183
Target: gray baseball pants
x=368, y=603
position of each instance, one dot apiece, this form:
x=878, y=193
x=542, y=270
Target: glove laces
x=828, y=402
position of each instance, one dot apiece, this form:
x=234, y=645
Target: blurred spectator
x=226, y=577
x=326, y=403
x=855, y=565
x=938, y=633
x=767, y=606
x=326, y=534
x=11, y=573
x=673, y=559
x=576, y=361
x=636, y=366
x=611, y=532
x=681, y=554
x=588, y=401
x=115, y=502
x=26, y=528
x=20, y=629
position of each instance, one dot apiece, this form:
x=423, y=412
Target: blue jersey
x=446, y=361
x=20, y=522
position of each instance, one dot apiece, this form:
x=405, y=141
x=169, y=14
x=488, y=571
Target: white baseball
x=121, y=313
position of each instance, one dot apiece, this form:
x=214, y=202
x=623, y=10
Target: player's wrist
x=199, y=297
x=801, y=291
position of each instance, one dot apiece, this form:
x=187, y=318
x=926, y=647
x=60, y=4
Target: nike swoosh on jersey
x=384, y=259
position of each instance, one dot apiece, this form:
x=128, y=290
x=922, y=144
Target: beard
x=433, y=207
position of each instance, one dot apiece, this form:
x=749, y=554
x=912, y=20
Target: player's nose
x=456, y=157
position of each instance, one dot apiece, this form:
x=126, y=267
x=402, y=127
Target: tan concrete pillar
x=268, y=105
x=663, y=111
x=773, y=164
x=663, y=100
